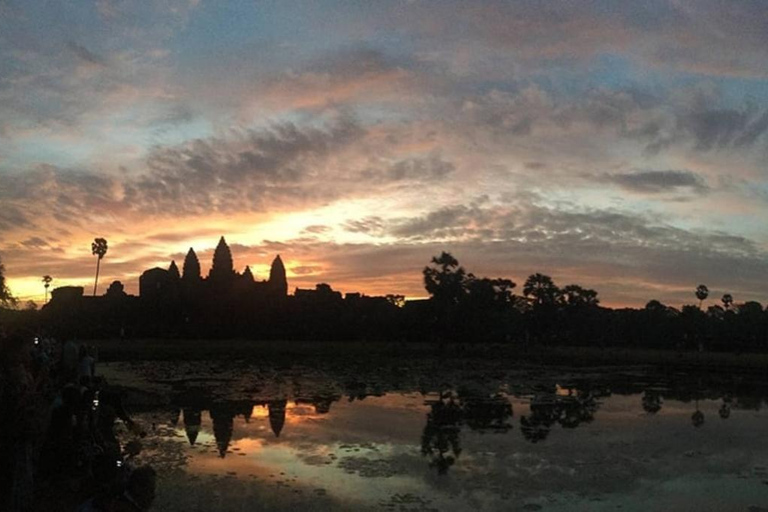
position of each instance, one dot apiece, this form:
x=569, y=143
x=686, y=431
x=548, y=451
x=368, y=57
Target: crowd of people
x=58, y=442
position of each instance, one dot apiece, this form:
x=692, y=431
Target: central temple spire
x=277, y=280
x=222, y=268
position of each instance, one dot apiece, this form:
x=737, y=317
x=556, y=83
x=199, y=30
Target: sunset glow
x=618, y=145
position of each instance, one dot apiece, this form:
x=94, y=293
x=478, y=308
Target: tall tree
x=489, y=293
x=702, y=292
x=445, y=280
x=6, y=298
x=47, y=283
x=191, y=270
x=542, y=289
x=98, y=249
x=727, y=301
x=575, y=296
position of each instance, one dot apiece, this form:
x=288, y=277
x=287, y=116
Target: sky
x=618, y=145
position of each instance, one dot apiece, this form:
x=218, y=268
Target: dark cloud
x=425, y=169
x=316, y=229
x=305, y=269
x=253, y=170
x=448, y=222
x=12, y=217
x=657, y=182
x=85, y=54
x=180, y=236
x=176, y=114
x=606, y=250
x=372, y=225
x=249, y=171
x=713, y=128
x=34, y=242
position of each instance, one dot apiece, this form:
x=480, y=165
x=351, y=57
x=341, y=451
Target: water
x=449, y=436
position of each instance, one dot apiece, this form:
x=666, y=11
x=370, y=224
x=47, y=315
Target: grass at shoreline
x=178, y=349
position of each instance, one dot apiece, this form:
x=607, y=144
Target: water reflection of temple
x=192, y=424
x=223, y=414
x=483, y=408
x=276, y=415
x=223, y=418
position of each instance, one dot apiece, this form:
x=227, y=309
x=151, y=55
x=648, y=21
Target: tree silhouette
x=727, y=301
x=576, y=296
x=445, y=280
x=98, y=249
x=655, y=306
x=702, y=292
x=116, y=289
x=6, y=298
x=651, y=402
x=542, y=289
x=487, y=292
x=47, y=283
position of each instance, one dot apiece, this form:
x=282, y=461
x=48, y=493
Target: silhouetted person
x=69, y=360
x=85, y=366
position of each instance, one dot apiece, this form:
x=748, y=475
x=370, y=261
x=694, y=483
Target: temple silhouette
x=462, y=307
x=162, y=286
x=175, y=303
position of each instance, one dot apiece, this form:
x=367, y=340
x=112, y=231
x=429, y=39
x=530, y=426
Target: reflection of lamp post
x=47, y=282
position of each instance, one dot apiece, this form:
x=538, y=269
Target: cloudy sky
x=619, y=145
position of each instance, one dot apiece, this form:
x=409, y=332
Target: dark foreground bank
x=307, y=351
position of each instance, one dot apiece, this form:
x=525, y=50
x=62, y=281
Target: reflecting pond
x=456, y=438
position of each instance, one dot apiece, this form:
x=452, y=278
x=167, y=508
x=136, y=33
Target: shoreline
x=299, y=351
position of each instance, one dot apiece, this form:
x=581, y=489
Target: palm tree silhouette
x=46, y=283
x=98, y=248
x=727, y=301
x=702, y=292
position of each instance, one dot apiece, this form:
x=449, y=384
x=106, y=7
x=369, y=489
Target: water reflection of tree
x=479, y=411
x=567, y=411
x=651, y=401
x=697, y=418
x=487, y=413
x=440, y=439
x=725, y=409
